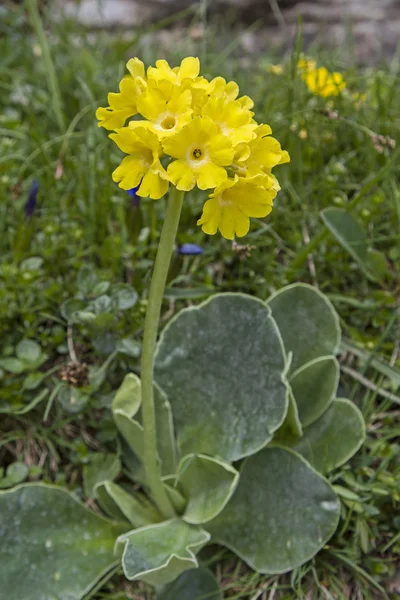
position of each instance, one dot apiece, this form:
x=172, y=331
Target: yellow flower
x=142, y=166
x=323, y=83
x=232, y=203
x=202, y=153
x=306, y=64
x=124, y=105
x=219, y=88
x=188, y=69
x=167, y=110
x=234, y=121
x=276, y=69
x=207, y=130
x=265, y=152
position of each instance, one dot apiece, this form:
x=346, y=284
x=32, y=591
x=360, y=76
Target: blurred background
x=372, y=25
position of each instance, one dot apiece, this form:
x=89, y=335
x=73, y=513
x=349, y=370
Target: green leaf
x=307, y=321
x=165, y=433
x=125, y=406
x=314, y=387
x=352, y=236
x=348, y=232
x=128, y=396
x=33, y=263
x=333, y=438
x=131, y=431
x=124, y=296
x=291, y=425
x=27, y=407
x=32, y=381
x=134, y=507
x=129, y=347
x=87, y=280
x=102, y=467
x=12, y=365
x=159, y=553
x=72, y=399
x=16, y=473
x=28, y=351
x=178, y=500
x=281, y=514
x=195, y=584
x=188, y=293
x=127, y=403
x=208, y=483
x=51, y=546
x=222, y=366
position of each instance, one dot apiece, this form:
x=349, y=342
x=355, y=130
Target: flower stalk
x=157, y=286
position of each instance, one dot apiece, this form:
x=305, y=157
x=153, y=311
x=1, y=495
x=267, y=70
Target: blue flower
x=190, y=250
x=30, y=205
x=134, y=196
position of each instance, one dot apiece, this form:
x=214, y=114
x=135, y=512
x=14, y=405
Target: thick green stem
x=157, y=286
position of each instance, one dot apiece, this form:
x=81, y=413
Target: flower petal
x=129, y=173
x=220, y=150
x=210, y=175
x=189, y=69
x=153, y=186
x=211, y=216
x=181, y=175
x=127, y=140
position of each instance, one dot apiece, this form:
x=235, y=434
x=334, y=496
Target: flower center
x=197, y=154
x=168, y=122
x=224, y=200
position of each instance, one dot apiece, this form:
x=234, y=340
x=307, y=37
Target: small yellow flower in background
x=323, y=83
x=188, y=131
x=306, y=64
x=320, y=81
x=275, y=69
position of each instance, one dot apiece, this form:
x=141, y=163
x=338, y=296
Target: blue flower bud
x=30, y=205
x=190, y=250
x=134, y=196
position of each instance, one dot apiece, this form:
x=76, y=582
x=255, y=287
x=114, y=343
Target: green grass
x=85, y=233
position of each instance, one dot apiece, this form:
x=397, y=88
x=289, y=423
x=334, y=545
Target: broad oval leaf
x=333, y=438
x=195, y=584
x=28, y=351
x=51, y=545
x=314, y=387
x=307, y=321
x=222, y=366
x=159, y=553
x=281, y=514
x=208, y=483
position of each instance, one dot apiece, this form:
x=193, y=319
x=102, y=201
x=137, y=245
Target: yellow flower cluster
x=189, y=131
x=320, y=81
